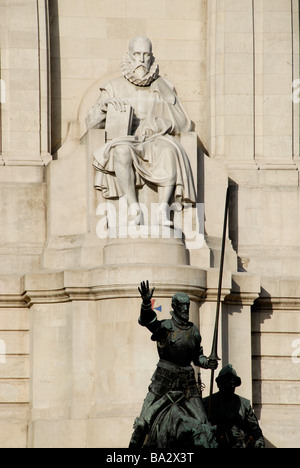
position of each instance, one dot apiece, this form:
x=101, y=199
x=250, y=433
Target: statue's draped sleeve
x=96, y=117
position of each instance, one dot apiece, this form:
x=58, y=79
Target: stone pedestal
x=146, y=244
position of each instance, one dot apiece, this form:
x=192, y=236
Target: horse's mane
x=174, y=427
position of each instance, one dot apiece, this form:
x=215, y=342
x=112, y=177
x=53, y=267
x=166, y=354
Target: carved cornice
x=12, y=301
x=277, y=303
x=237, y=298
x=101, y=292
x=212, y=294
x=45, y=297
x=107, y=282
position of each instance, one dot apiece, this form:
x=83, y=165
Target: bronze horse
x=174, y=428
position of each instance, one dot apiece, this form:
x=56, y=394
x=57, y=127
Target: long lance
x=214, y=350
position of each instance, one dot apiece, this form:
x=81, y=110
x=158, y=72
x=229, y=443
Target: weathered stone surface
x=69, y=343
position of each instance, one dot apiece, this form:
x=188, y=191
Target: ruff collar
x=151, y=76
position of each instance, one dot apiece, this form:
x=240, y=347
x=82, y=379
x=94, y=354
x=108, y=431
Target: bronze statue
x=237, y=425
x=173, y=385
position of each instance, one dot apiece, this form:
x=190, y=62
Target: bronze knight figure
x=178, y=344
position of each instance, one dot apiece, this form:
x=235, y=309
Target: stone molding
x=114, y=281
x=120, y=281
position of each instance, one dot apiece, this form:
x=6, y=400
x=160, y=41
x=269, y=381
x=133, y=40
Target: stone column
x=207, y=317
x=274, y=72
x=237, y=329
x=24, y=70
x=230, y=81
x=239, y=291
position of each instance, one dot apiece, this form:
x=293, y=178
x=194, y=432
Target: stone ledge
x=122, y=281
x=110, y=281
x=279, y=293
x=245, y=289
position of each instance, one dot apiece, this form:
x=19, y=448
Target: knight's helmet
x=228, y=373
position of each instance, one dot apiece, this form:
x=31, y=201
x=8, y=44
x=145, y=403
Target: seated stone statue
x=150, y=153
x=237, y=425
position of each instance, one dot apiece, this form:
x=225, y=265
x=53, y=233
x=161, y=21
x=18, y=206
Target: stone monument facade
x=70, y=342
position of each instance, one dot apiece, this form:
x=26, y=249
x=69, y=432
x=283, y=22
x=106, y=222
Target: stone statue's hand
x=145, y=292
x=118, y=103
x=148, y=132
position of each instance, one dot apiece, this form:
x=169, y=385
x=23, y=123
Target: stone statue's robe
x=158, y=119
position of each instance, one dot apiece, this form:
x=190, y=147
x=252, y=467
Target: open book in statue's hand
x=118, y=124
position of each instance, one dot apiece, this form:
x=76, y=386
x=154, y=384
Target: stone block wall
x=89, y=39
x=276, y=361
x=233, y=63
x=15, y=369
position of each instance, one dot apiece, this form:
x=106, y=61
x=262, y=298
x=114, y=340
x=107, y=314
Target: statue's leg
x=164, y=194
x=167, y=154
x=126, y=179
x=141, y=427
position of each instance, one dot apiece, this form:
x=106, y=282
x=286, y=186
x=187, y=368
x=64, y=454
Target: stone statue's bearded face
x=138, y=65
x=140, y=56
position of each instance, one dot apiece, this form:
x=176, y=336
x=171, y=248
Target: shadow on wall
x=233, y=221
x=55, y=71
x=262, y=310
